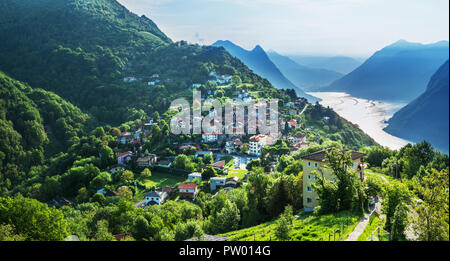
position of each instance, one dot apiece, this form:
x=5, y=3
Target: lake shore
x=369, y=115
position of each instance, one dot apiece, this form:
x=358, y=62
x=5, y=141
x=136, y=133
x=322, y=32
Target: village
x=230, y=155
x=222, y=158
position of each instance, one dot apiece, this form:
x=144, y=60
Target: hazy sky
x=329, y=27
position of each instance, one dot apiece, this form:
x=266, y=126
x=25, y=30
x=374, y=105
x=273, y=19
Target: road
x=359, y=229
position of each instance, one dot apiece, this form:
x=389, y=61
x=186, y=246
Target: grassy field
x=159, y=179
x=307, y=227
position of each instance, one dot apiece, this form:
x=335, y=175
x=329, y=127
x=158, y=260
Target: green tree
x=208, y=159
x=7, y=233
x=432, y=222
x=244, y=148
x=182, y=162
x=125, y=192
x=190, y=229
x=146, y=173
x=127, y=177
x=284, y=224
x=399, y=222
x=103, y=233
x=208, y=173
x=33, y=220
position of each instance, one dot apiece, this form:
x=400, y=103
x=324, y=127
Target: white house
x=156, y=197
x=125, y=138
x=203, y=153
x=209, y=137
x=217, y=182
x=257, y=142
x=195, y=175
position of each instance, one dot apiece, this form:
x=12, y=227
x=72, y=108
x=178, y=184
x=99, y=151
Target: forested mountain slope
x=427, y=117
x=34, y=125
x=83, y=49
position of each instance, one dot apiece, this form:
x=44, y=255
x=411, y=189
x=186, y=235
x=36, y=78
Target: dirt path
x=359, y=229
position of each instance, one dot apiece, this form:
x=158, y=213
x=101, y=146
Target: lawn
x=159, y=179
x=240, y=173
x=307, y=227
x=229, y=161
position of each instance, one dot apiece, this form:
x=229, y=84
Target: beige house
x=314, y=165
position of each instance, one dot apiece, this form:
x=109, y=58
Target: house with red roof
x=188, y=190
x=124, y=158
x=299, y=137
x=219, y=164
x=292, y=123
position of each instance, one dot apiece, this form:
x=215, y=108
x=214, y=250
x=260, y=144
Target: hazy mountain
x=341, y=64
x=258, y=61
x=427, y=117
x=302, y=76
x=398, y=72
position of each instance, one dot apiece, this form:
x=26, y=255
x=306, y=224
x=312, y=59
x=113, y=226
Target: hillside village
x=228, y=154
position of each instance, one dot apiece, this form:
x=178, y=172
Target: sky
x=355, y=28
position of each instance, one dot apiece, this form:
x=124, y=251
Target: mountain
x=302, y=76
x=396, y=73
x=427, y=117
x=260, y=63
x=341, y=64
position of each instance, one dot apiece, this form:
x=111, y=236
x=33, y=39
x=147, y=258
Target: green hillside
x=82, y=50
x=35, y=124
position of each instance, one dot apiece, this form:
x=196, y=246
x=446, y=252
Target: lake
x=368, y=114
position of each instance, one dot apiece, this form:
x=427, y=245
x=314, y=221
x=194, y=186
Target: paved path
x=359, y=229
x=304, y=109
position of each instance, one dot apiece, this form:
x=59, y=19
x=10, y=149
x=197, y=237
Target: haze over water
x=369, y=115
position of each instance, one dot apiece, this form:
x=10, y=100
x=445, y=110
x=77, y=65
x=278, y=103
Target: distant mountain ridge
x=427, y=117
x=340, y=64
x=398, y=72
x=258, y=61
x=302, y=76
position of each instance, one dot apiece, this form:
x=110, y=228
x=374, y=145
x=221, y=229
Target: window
x=308, y=200
x=315, y=178
x=309, y=163
x=309, y=177
x=315, y=164
x=308, y=189
x=353, y=165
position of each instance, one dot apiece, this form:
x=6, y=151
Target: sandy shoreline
x=369, y=115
